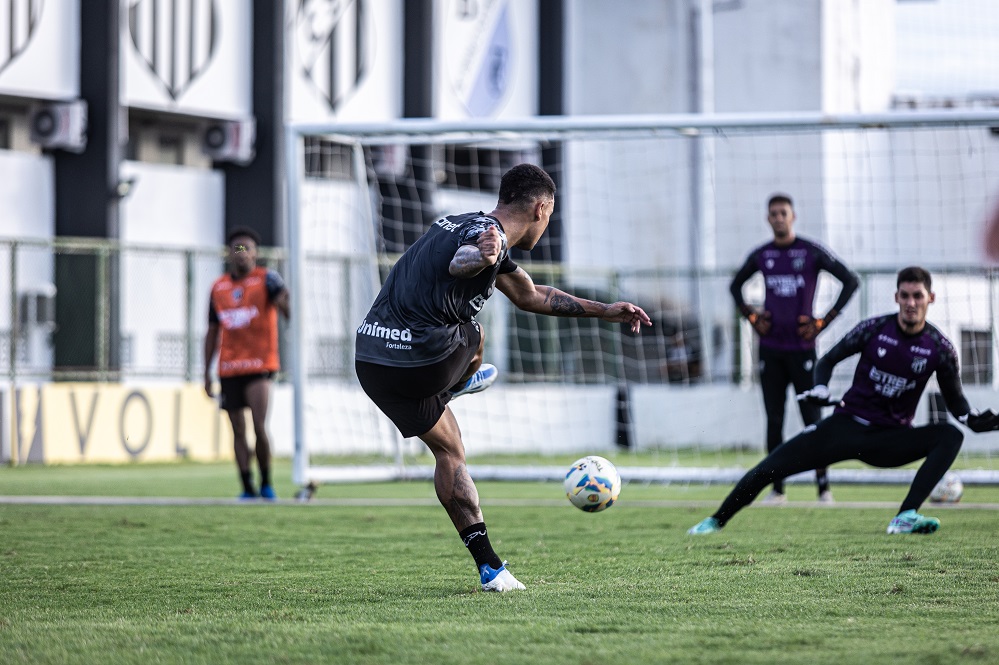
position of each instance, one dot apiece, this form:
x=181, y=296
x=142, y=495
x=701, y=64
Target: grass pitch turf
x=330, y=583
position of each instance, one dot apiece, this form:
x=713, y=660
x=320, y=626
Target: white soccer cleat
x=498, y=580
x=774, y=499
x=479, y=381
x=826, y=498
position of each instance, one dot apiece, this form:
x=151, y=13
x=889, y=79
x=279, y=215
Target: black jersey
x=416, y=318
x=791, y=275
x=893, y=370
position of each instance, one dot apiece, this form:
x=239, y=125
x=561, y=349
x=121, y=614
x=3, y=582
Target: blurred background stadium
x=133, y=134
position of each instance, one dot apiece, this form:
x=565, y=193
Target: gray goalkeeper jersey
x=416, y=318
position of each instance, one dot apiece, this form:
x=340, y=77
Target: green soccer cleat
x=707, y=525
x=912, y=522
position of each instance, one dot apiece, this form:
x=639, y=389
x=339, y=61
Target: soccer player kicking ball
x=873, y=422
x=419, y=346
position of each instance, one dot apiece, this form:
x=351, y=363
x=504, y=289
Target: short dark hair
x=243, y=232
x=524, y=184
x=780, y=197
x=915, y=274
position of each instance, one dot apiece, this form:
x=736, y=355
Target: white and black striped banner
x=18, y=20
x=175, y=38
x=330, y=37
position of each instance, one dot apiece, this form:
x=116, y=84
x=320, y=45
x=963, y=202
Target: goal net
x=659, y=211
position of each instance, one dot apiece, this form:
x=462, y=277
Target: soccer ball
x=592, y=484
x=948, y=490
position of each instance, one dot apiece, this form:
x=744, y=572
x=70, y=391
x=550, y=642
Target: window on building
x=169, y=149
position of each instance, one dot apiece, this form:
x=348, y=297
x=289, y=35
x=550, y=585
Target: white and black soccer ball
x=950, y=489
x=592, y=484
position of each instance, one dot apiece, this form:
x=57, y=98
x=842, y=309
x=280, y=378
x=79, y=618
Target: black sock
x=265, y=476
x=477, y=542
x=247, y=479
x=822, y=478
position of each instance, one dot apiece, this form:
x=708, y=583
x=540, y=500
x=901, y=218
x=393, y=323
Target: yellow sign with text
x=71, y=423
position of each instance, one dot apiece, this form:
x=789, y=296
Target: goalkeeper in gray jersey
x=873, y=421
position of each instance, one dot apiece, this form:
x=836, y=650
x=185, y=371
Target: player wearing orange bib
x=242, y=328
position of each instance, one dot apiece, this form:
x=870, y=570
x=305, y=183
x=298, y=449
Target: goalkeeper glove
x=760, y=321
x=981, y=422
x=809, y=328
x=819, y=396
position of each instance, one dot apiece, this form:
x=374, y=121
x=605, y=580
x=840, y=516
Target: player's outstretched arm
x=526, y=295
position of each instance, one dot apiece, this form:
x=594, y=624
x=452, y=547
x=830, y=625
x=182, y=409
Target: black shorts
x=414, y=398
x=232, y=393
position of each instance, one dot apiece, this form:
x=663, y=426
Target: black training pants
x=840, y=437
x=778, y=369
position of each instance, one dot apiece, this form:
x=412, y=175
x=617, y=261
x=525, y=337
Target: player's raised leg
x=458, y=495
x=478, y=376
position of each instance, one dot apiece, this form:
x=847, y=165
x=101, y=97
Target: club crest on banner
x=331, y=38
x=18, y=21
x=479, y=53
x=176, y=39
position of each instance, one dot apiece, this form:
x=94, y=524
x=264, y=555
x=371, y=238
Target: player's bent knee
x=948, y=436
x=953, y=436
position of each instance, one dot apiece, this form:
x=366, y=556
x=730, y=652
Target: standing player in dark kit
x=787, y=330
x=420, y=347
x=873, y=422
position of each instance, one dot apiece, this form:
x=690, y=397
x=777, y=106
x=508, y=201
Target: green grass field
x=342, y=580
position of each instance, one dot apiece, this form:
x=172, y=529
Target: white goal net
x=660, y=211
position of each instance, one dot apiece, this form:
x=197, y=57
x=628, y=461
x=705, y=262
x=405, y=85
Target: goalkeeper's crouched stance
x=873, y=422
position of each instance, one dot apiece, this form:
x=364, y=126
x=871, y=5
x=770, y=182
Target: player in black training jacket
x=786, y=326
x=420, y=347
x=873, y=422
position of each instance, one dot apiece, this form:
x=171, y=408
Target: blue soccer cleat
x=912, y=522
x=478, y=382
x=248, y=496
x=707, y=525
x=267, y=492
x=498, y=579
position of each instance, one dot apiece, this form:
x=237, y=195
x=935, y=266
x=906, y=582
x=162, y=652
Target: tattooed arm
x=522, y=292
x=470, y=260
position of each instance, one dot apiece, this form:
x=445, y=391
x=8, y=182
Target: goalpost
x=658, y=210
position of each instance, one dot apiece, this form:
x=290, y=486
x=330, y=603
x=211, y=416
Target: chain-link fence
x=99, y=310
